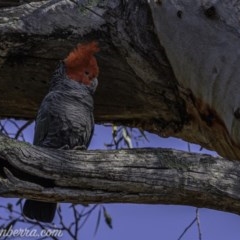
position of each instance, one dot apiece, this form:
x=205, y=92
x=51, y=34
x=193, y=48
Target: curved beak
x=94, y=85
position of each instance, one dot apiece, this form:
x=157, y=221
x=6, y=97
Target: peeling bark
x=151, y=176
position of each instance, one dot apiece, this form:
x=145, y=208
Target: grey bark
x=136, y=83
x=151, y=176
x=147, y=80
x=138, y=87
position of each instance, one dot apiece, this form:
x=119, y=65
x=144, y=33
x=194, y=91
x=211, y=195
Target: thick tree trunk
x=201, y=39
x=147, y=77
x=128, y=176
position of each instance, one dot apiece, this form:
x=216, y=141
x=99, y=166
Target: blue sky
x=154, y=222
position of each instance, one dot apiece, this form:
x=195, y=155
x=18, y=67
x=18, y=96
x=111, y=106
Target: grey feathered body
x=65, y=118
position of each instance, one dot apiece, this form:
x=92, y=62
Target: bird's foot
x=65, y=147
x=82, y=147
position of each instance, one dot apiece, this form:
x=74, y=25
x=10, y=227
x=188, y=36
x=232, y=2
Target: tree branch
x=151, y=176
x=136, y=84
x=149, y=78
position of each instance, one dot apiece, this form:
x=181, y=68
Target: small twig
x=3, y=129
x=186, y=229
x=22, y=128
x=87, y=215
x=64, y=227
x=198, y=224
x=89, y=211
x=76, y=220
x=13, y=123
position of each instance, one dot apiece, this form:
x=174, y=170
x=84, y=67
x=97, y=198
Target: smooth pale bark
x=149, y=175
x=201, y=39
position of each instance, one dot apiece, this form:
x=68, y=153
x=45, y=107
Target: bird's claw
x=65, y=147
x=82, y=147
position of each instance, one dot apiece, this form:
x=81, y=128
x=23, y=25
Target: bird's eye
x=86, y=72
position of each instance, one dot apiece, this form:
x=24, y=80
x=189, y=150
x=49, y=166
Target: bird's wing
x=43, y=119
